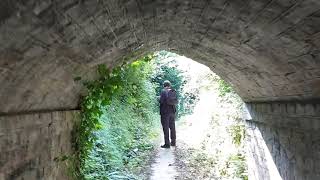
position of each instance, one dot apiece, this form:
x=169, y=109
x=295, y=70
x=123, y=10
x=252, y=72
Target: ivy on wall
x=117, y=115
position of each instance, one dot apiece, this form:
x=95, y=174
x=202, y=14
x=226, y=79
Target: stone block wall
x=267, y=50
x=31, y=143
x=284, y=141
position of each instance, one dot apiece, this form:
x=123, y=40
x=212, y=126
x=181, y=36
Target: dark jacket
x=165, y=109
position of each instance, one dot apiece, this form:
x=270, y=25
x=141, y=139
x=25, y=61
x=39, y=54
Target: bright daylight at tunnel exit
x=160, y=90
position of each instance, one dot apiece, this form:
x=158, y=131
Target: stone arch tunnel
x=268, y=50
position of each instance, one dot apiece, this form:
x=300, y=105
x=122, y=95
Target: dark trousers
x=168, y=122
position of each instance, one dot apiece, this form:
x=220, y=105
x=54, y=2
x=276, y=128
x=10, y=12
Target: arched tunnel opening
x=267, y=50
x=119, y=131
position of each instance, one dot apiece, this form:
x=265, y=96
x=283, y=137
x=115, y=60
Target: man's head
x=166, y=84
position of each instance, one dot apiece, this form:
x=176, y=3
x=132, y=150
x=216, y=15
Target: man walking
x=168, y=101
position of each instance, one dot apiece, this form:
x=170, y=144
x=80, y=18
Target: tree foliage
x=170, y=71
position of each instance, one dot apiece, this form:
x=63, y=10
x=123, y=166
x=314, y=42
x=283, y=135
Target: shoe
x=165, y=146
x=173, y=144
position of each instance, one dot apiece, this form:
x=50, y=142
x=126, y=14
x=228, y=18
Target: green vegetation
x=118, y=117
x=224, y=88
x=235, y=165
x=168, y=70
x=237, y=132
x=221, y=152
x=120, y=120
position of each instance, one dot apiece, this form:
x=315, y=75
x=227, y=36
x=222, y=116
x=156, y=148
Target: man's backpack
x=172, y=98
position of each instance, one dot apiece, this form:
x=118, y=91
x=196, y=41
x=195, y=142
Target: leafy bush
x=237, y=132
x=237, y=167
x=118, y=117
x=224, y=88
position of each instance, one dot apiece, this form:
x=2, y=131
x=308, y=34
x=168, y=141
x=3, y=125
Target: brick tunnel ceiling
x=267, y=49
